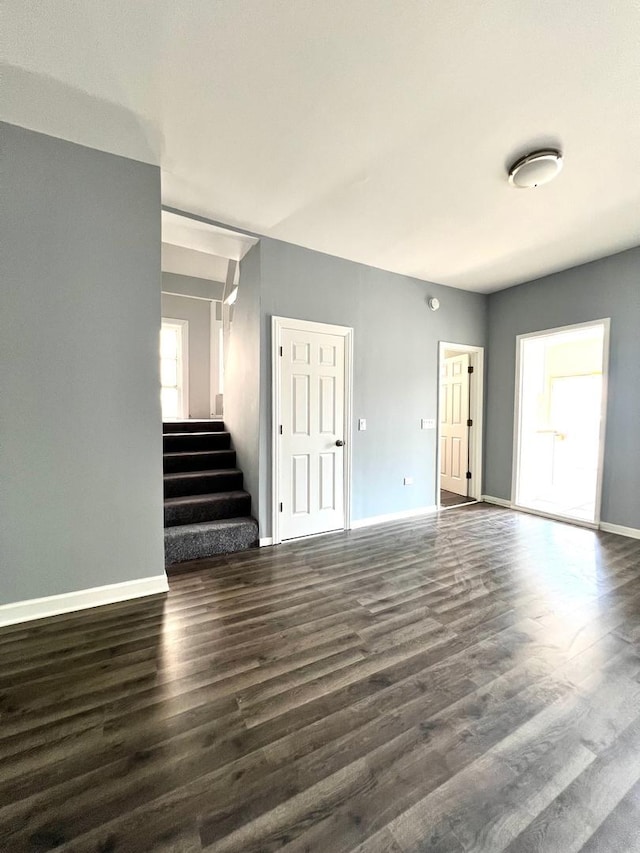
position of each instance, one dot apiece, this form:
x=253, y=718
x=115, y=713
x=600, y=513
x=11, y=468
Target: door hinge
x=280, y=429
x=469, y=422
x=281, y=352
x=468, y=475
x=280, y=506
x=470, y=369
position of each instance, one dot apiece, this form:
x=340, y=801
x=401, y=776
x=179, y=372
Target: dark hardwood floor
x=461, y=682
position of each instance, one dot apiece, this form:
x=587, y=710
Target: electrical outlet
x=408, y=481
x=428, y=423
x=362, y=423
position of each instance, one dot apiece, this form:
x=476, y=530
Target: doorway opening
x=311, y=404
x=200, y=279
x=174, y=368
x=460, y=421
x=561, y=378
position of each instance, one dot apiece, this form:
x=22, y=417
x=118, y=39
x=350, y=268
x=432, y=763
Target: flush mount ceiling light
x=535, y=169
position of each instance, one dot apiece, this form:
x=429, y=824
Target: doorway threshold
x=464, y=502
x=449, y=499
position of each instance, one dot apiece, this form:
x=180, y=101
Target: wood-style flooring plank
x=468, y=681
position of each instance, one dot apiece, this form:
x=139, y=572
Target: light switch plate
x=362, y=423
x=428, y=423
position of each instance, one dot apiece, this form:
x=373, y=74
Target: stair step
x=199, y=460
x=195, y=541
x=192, y=509
x=201, y=482
x=193, y=425
x=176, y=442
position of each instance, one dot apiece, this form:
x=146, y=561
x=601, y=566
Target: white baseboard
x=497, y=501
x=633, y=532
x=393, y=516
x=52, y=605
x=268, y=540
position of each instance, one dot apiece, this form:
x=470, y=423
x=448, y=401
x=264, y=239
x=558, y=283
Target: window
x=173, y=369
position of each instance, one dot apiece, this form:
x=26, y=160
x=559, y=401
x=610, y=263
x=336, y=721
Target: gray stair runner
x=213, y=507
x=206, y=510
x=193, y=541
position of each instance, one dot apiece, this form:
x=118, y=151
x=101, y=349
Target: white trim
x=554, y=516
x=183, y=365
x=263, y=543
x=277, y=326
x=215, y=330
x=393, y=516
x=476, y=413
x=550, y=515
x=632, y=532
x=488, y=499
x=458, y=506
x=52, y=605
x=605, y=322
x=213, y=359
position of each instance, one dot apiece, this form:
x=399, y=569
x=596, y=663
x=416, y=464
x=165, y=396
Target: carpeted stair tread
x=193, y=425
x=193, y=475
x=200, y=499
x=206, y=539
x=194, y=435
x=202, y=482
x=182, y=442
x=192, y=509
x=197, y=460
x=206, y=509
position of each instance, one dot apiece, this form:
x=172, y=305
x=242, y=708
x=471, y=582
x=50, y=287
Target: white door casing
x=311, y=417
x=454, y=431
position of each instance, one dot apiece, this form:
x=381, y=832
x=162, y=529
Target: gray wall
x=198, y=313
x=242, y=376
x=81, y=446
x=395, y=365
x=605, y=288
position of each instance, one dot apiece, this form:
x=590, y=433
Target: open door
x=560, y=409
x=460, y=406
x=454, y=428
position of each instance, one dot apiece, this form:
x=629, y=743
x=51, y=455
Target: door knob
x=339, y=443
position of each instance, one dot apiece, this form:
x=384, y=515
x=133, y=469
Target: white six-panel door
x=454, y=432
x=311, y=429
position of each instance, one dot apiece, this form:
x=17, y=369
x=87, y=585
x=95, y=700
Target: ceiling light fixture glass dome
x=535, y=169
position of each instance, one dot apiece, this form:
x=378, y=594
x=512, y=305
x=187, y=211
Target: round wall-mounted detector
x=535, y=169
x=434, y=303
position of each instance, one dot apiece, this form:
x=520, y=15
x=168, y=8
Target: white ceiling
x=376, y=130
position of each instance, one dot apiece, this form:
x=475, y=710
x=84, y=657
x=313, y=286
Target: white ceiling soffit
x=183, y=261
x=375, y=130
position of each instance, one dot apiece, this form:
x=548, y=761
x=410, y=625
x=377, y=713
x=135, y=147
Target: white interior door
x=312, y=420
x=454, y=432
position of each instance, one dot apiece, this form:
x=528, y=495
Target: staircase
x=206, y=510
